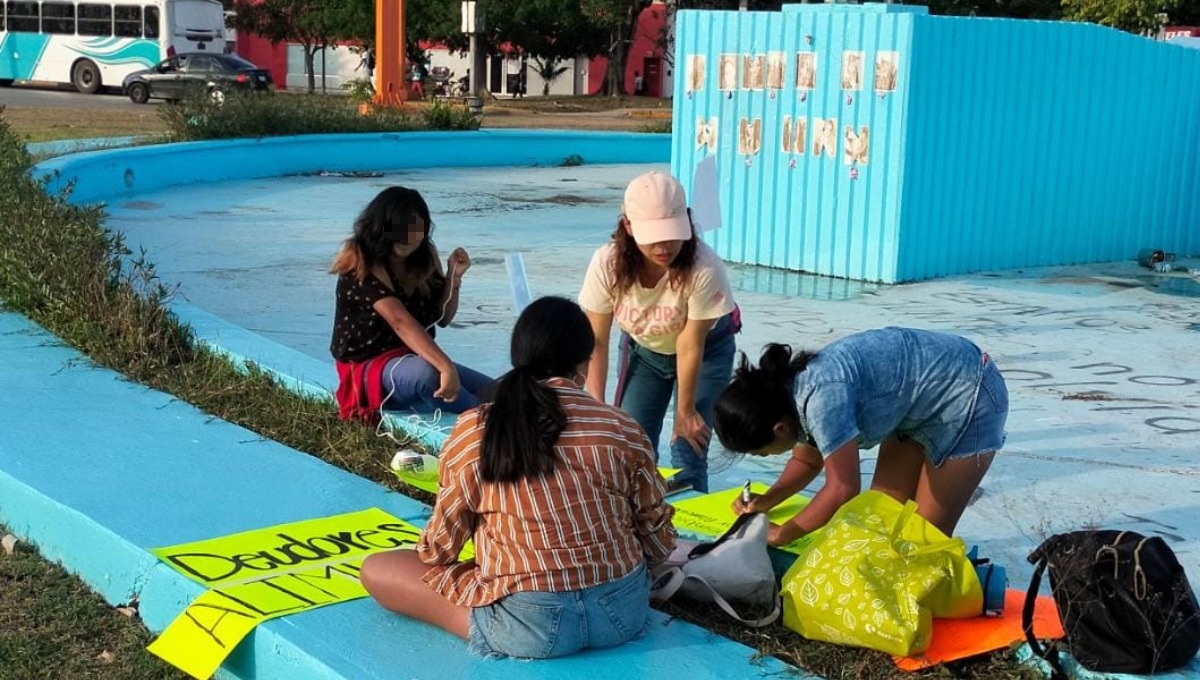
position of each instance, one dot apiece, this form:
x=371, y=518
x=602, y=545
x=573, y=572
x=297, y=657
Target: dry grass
x=52, y=626
x=49, y=123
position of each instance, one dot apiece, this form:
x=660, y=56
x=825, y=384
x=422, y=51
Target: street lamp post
x=472, y=24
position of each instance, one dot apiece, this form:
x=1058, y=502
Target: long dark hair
x=381, y=224
x=629, y=261
x=757, y=398
x=551, y=339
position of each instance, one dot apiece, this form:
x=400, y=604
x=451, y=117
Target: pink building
x=340, y=64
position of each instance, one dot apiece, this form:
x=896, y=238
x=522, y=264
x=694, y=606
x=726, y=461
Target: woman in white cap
x=670, y=296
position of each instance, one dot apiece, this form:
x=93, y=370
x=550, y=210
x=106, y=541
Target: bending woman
x=670, y=295
x=562, y=498
x=391, y=296
x=934, y=403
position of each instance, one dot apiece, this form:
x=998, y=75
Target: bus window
x=23, y=17
x=58, y=17
x=128, y=22
x=151, y=23
x=95, y=19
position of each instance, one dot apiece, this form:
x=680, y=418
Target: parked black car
x=193, y=73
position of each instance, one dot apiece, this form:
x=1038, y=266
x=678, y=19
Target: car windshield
x=231, y=62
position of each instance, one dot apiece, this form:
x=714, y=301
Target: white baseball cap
x=656, y=208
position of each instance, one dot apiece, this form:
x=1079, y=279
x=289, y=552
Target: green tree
x=1185, y=13
x=1134, y=16
x=549, y=71
x=313, y=24
x=1013, y=9
x=618, y=20
x=549, y=31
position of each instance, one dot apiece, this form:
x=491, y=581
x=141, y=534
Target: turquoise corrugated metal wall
x=1004, y=143
x=1046, y=143
x=798, y=210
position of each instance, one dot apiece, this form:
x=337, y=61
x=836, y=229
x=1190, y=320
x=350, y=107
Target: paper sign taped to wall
x=706, y=203
x=712, y=514
x=258, y=575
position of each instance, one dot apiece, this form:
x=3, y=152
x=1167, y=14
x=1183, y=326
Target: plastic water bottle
x=1150, y=257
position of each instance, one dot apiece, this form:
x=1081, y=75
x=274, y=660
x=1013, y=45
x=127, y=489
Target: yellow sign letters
x=258, y=575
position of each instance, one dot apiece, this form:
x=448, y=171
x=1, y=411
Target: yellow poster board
x=258, y=575
x=423, y=474
x=712, y=514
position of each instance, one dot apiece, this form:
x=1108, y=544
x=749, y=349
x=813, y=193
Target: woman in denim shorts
x=934, y=404
x=563, y=501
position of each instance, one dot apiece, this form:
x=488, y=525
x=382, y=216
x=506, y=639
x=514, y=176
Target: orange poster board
x=955, y=639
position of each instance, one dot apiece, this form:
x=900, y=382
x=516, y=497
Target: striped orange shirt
x=595, y=519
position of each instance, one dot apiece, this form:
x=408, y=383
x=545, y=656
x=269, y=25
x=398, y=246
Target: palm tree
x=549, y=71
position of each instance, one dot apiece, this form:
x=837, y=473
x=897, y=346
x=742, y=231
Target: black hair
x=747, y=410
x=629, y=261
x=551, y=339
x=385, y=221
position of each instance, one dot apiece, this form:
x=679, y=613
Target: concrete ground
x=1104, y=429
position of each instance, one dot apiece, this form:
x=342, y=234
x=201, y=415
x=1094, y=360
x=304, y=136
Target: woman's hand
x=457, y=264
x=692, y=429
x=448, y=389
x=779, y=535
x=758, y=503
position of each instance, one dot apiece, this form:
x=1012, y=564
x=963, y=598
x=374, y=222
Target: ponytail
x=524, y=421
x=522, y=425
x=756, y=399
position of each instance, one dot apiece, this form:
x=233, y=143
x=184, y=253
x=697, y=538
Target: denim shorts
x=539, y=625
x=984, y=431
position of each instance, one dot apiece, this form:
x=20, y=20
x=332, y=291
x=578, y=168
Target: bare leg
x=943, y=492
x=394, y=579
x=898, y=470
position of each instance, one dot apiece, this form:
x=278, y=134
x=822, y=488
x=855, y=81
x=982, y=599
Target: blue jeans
x=537, y=625
x=647, y=380
x=411, y=381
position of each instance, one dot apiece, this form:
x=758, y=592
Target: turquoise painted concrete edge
x=107, y=174
x=291, y=647
x=97, y=504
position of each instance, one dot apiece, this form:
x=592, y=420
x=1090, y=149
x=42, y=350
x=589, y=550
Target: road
x=47, y=96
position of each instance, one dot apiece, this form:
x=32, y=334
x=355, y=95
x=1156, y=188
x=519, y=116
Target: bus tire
x=86, y=77
x=139, y=93
x=5, y=82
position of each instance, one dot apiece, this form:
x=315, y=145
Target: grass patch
x=657, y=127
x=52, y=626
x=50, y=123
x=61, y=268
x=258, y=115
x=579, y=103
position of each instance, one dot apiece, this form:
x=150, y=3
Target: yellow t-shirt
x=654, y=317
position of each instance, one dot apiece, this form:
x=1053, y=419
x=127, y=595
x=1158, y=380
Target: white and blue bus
x=95, y=44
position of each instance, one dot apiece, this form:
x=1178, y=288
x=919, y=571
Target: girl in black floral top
x=391, y=296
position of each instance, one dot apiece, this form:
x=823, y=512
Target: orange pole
x=390, y=79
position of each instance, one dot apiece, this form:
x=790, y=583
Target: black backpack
x=1124, y=600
